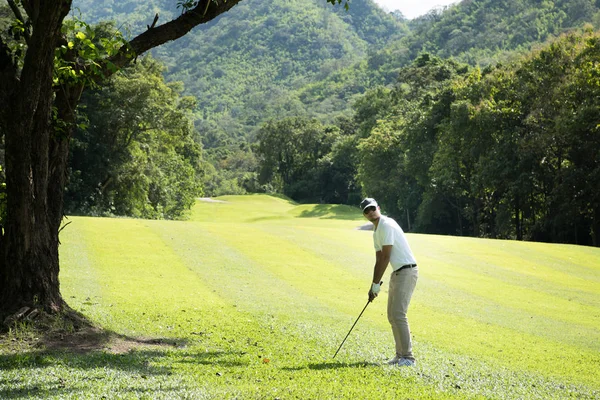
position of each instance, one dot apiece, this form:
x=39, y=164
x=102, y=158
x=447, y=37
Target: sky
x=412, y=8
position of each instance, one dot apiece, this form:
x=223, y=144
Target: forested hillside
x=475, y=31
x=478, y=32
x=276, y=58
x=251, y=64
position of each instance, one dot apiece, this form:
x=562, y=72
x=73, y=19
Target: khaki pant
x=402, y=286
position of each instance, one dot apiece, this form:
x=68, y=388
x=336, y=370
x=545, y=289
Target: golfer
x=391, y=247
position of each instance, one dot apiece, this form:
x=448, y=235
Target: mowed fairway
x=252, y=296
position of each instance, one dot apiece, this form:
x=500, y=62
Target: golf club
x=359, y=315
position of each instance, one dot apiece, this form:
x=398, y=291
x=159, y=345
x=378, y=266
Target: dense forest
x=477, y=119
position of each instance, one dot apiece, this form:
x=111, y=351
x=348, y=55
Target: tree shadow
x=132, y=361
x=71, y=331
x=333, y=365
x=140, y=363
x=30, y=391
x=86, y=347
x=331, y=211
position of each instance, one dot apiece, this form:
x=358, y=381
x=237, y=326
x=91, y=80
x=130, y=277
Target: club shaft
x=361, y=313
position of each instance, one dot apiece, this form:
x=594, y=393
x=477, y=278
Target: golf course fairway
x=252, y=295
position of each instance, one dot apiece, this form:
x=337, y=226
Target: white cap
x=368, y=202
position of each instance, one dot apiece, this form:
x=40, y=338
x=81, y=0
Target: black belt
x=406, y=266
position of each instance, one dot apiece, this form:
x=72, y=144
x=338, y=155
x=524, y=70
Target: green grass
x=258, y=278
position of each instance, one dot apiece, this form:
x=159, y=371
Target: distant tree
x=399, y=128
x=339, y=168
x=135, y=154
x=518, y=154
x=291, y=153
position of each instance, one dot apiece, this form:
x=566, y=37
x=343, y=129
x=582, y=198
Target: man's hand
x=374, y=291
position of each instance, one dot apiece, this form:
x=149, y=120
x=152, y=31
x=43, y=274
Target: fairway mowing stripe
x=236, y=209
x=239, y=278
x=510, y=294
x=139, y=273
x=300, y=268
x=348, y=248
x=244, y=281
x=439, y=296
x=488, y=378
x=498, y=345
x=560, y=275
x=227, y=317
x=424, y=261
x=79, y=282
x=251, y=288
x=296, y=338
x=587, y=264
x=495, y=257
x=577, y=323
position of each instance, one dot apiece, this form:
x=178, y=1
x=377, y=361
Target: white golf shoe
x=405, y=362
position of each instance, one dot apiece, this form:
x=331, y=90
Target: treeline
x=242, y=81
x=511, y=151
x=291, y=61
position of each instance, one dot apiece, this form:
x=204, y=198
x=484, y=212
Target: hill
x=274, y=58
x=246, y=66
x=476, y=31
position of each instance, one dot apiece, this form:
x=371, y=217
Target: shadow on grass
x=332, y=365
x=101, y=354
x=332, y=211
x=133, y=393
x=62, y=387
x=99, y=366
x=136, y=360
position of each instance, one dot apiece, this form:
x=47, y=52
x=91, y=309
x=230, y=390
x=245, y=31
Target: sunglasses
x=369, y=209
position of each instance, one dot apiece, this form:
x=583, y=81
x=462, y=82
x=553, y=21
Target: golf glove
x=375, y=287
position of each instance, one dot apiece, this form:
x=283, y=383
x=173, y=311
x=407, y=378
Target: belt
x=406, y=266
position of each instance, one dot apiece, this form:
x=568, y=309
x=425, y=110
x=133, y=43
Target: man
x=392, y=247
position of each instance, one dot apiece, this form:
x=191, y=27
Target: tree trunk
x=595, y=231
x=518, y=220
x=29, y=261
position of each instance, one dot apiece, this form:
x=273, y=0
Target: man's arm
x=382, y=259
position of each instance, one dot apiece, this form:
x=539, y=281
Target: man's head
x=370, y=209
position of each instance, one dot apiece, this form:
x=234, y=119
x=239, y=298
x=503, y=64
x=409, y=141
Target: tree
x=37, y=115
x=518, y=154
x=399, y=128
x=135, y=123
x=291, y=155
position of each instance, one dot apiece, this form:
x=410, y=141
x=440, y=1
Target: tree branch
x=31, y=8
x=205, y=11
x=17, y=12
x=153, y=22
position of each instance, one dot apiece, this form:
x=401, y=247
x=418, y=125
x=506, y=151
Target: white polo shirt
x=388, y=232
